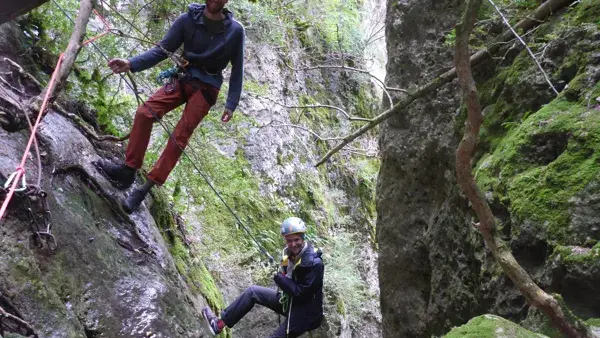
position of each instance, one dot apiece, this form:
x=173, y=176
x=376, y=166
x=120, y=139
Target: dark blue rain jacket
x=306, y=289
x=208, y=54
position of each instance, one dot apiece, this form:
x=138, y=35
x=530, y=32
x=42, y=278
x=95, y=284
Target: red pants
x=196, y=94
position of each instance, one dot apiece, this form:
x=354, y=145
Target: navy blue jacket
x=208, y=54
x=306, y=288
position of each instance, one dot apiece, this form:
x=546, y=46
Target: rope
x=21, y=169
x=167, y=130
x=20, y=172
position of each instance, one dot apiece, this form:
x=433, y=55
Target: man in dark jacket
x=301, y=280
x=211, y=40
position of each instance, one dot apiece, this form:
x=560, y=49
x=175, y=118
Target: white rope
x=526, y=47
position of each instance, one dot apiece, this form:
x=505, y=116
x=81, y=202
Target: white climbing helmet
x=293, y=225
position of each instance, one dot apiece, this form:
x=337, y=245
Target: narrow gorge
x=401, y=253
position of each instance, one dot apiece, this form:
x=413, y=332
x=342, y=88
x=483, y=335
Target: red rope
x=20, y=171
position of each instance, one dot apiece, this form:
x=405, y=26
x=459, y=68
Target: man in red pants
x=212, y=39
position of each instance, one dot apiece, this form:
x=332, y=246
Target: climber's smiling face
x=294, y=243
x=215, y=6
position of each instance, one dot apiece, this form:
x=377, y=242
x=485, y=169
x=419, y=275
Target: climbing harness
x=132, y=86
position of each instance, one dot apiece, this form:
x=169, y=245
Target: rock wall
x=261, y=164
x=111, y=275
x=426, y=267
x=433, y=268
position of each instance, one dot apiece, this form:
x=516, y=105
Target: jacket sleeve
x=237, y=75
x=312, y=279
x=172, y=40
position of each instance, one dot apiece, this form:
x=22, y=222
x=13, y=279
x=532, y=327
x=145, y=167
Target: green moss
x=587, y=11
x=203, y=280
x=256, y=88
x=193, y=270
x=540, y=192
x=569, y=255
x=340, y=307
x=490, y=326
x=593, y=322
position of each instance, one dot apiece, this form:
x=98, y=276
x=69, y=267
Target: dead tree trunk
x=73, y=48
x=464, y=155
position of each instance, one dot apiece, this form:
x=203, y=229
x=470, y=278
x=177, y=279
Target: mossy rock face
x=541, y=165
x=539, y=152
x=575, y=272
x=491, y=326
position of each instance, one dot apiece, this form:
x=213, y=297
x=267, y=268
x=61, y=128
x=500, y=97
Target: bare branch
x=74, y=46
x=314, y=106
x=385, y=88
x=23, y=72
x=487, y=223
x=540, y=14
x=321, y=138
x=525, y=45
x=20, y=322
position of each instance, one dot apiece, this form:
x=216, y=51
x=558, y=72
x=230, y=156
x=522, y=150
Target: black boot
x=120, y=175
x=133, y=201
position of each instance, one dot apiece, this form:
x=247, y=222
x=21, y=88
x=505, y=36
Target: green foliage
x=587, y=11
x=541, y=192
x=366, y=175
x=191, y=268
x=256, y=88
x=593, y=322
x=490, y=326
x=345, y=290
x=450, y=38
x=320, y=26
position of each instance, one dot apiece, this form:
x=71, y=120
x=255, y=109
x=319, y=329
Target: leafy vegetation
x=318, y=31
x=490, y=326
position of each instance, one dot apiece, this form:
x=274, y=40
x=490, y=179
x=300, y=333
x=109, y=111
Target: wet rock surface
x=111, y=275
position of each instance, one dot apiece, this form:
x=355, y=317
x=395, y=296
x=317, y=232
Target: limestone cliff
x=147, y=275
x=536, y=163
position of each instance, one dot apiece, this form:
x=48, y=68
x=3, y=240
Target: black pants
x=245, y=302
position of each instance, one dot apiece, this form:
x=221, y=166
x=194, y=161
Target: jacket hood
x=196, y=11
x=310, y=256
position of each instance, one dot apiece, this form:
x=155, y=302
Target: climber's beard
x=215, y=6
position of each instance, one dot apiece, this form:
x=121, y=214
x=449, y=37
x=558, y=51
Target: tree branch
x=308, y=130
x=526, y=47
x=29, y=332
x=464, y=157
x=314, y=106
x=73, y=48
x=533, y=19
x=385, y=88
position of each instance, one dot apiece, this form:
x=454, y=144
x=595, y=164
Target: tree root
x=14, y=322
x=86, y=128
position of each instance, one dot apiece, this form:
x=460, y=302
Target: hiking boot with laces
x=120, y=175
x=133, y=201
x=211, y=320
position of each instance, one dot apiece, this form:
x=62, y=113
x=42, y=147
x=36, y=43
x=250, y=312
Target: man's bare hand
x=119, y=65
x=227, y=115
